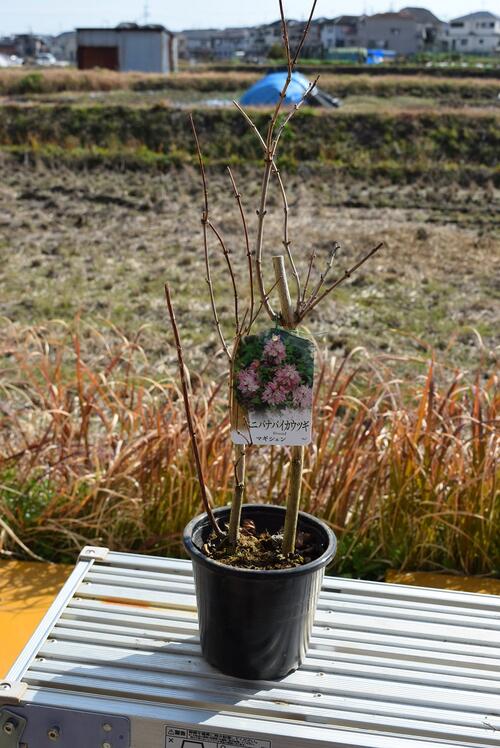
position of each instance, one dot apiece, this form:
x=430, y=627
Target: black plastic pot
x=257, y=624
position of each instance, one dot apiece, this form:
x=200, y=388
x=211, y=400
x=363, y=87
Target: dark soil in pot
x=256, y=623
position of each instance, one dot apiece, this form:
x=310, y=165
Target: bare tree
x=292, y=311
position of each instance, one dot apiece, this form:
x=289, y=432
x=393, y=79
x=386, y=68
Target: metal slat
x=309, y=713
x=324, y=626
x=323, y=647
x=362, y=589
x=151, y=716
x=439, y=676
x=358, y=588
x=277, y=693
x=392, y=607
x=468, y=699
x=320, y=648
x=359, y=620
x=169, y=584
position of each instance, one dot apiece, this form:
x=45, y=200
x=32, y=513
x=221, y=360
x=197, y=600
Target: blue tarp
x=376, y=56
x=268, y=89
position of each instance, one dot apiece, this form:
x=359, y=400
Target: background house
x=429, y=26
x=341, y=31
x=197, y=44
x=475, y=33
x=128, y=47
x=231, y=42
x=407, y=32
x=63, y=46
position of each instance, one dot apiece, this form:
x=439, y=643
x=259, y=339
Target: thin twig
x=286, y=238
x=304, y=35
x=270, y=153
x=261, y=214
x=323, y=276
x=309, y=268
x=202, y=165
x=189, y=417
x=225, y=252
x=347, y=274
x=250, y=122
x=290, y=66
x=237, y=195
x=293, y=112
x=261, y=306
x=204, y=222
x=239, y=465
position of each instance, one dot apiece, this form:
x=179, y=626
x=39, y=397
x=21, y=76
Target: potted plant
x=258, y=568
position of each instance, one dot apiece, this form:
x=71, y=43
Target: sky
x=54, y=16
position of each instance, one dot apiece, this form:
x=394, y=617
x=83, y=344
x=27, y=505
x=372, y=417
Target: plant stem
x=239, y=491
x=189, y=416
x=293, y=500
x=297, y=461
x=287, y=313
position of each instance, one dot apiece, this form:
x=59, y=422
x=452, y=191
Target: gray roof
x=125, y=27
x=421, y=15
x=478, y=15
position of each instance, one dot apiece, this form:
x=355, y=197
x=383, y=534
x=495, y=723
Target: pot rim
x=317, y=563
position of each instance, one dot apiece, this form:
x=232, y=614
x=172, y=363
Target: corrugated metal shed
x=128, y=47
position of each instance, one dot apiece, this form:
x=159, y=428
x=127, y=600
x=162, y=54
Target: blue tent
x=268, y=89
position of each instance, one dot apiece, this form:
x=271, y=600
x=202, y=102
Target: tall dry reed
x=94, y=449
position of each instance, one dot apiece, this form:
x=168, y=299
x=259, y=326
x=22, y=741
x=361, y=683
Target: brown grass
x=94, y=449
x=32, y=81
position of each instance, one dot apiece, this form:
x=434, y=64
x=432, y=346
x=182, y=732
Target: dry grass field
x=100, y=204
x=101, y=244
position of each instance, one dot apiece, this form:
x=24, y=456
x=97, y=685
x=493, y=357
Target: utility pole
x=146, y=13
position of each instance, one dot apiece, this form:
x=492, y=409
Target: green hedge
x=405, y=142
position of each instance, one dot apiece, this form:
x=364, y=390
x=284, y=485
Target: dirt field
x=102, y=243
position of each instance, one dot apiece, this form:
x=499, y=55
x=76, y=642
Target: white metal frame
x=389, y=666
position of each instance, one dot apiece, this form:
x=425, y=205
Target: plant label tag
x=272, y=389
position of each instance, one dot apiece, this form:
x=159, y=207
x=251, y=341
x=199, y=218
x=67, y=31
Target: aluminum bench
x=116, y=663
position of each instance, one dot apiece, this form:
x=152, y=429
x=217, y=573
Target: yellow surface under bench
x=26, y=592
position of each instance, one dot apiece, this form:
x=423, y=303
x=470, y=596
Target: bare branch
x=290, y=65
x=304, y=35
x=202, y=165
x=239, y=465
x=347, y=274
x=204, y=223
x=261, y=306
x=293, y=112
x=309, y=268
x=323, y=276
x=237, y=195
x=261, y=214
x=225, y=252
x=251, y=123
x=189, y=417
x=286, y=238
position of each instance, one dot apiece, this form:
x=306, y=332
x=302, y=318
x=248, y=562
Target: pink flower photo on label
x=287, y=377
x=302, y=397
x=274, y=394
x=248, y=381
x=275, y=350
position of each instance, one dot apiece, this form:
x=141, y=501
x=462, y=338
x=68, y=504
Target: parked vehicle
x=45, y=59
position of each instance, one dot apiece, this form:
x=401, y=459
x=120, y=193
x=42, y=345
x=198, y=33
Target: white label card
x=272, y=389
